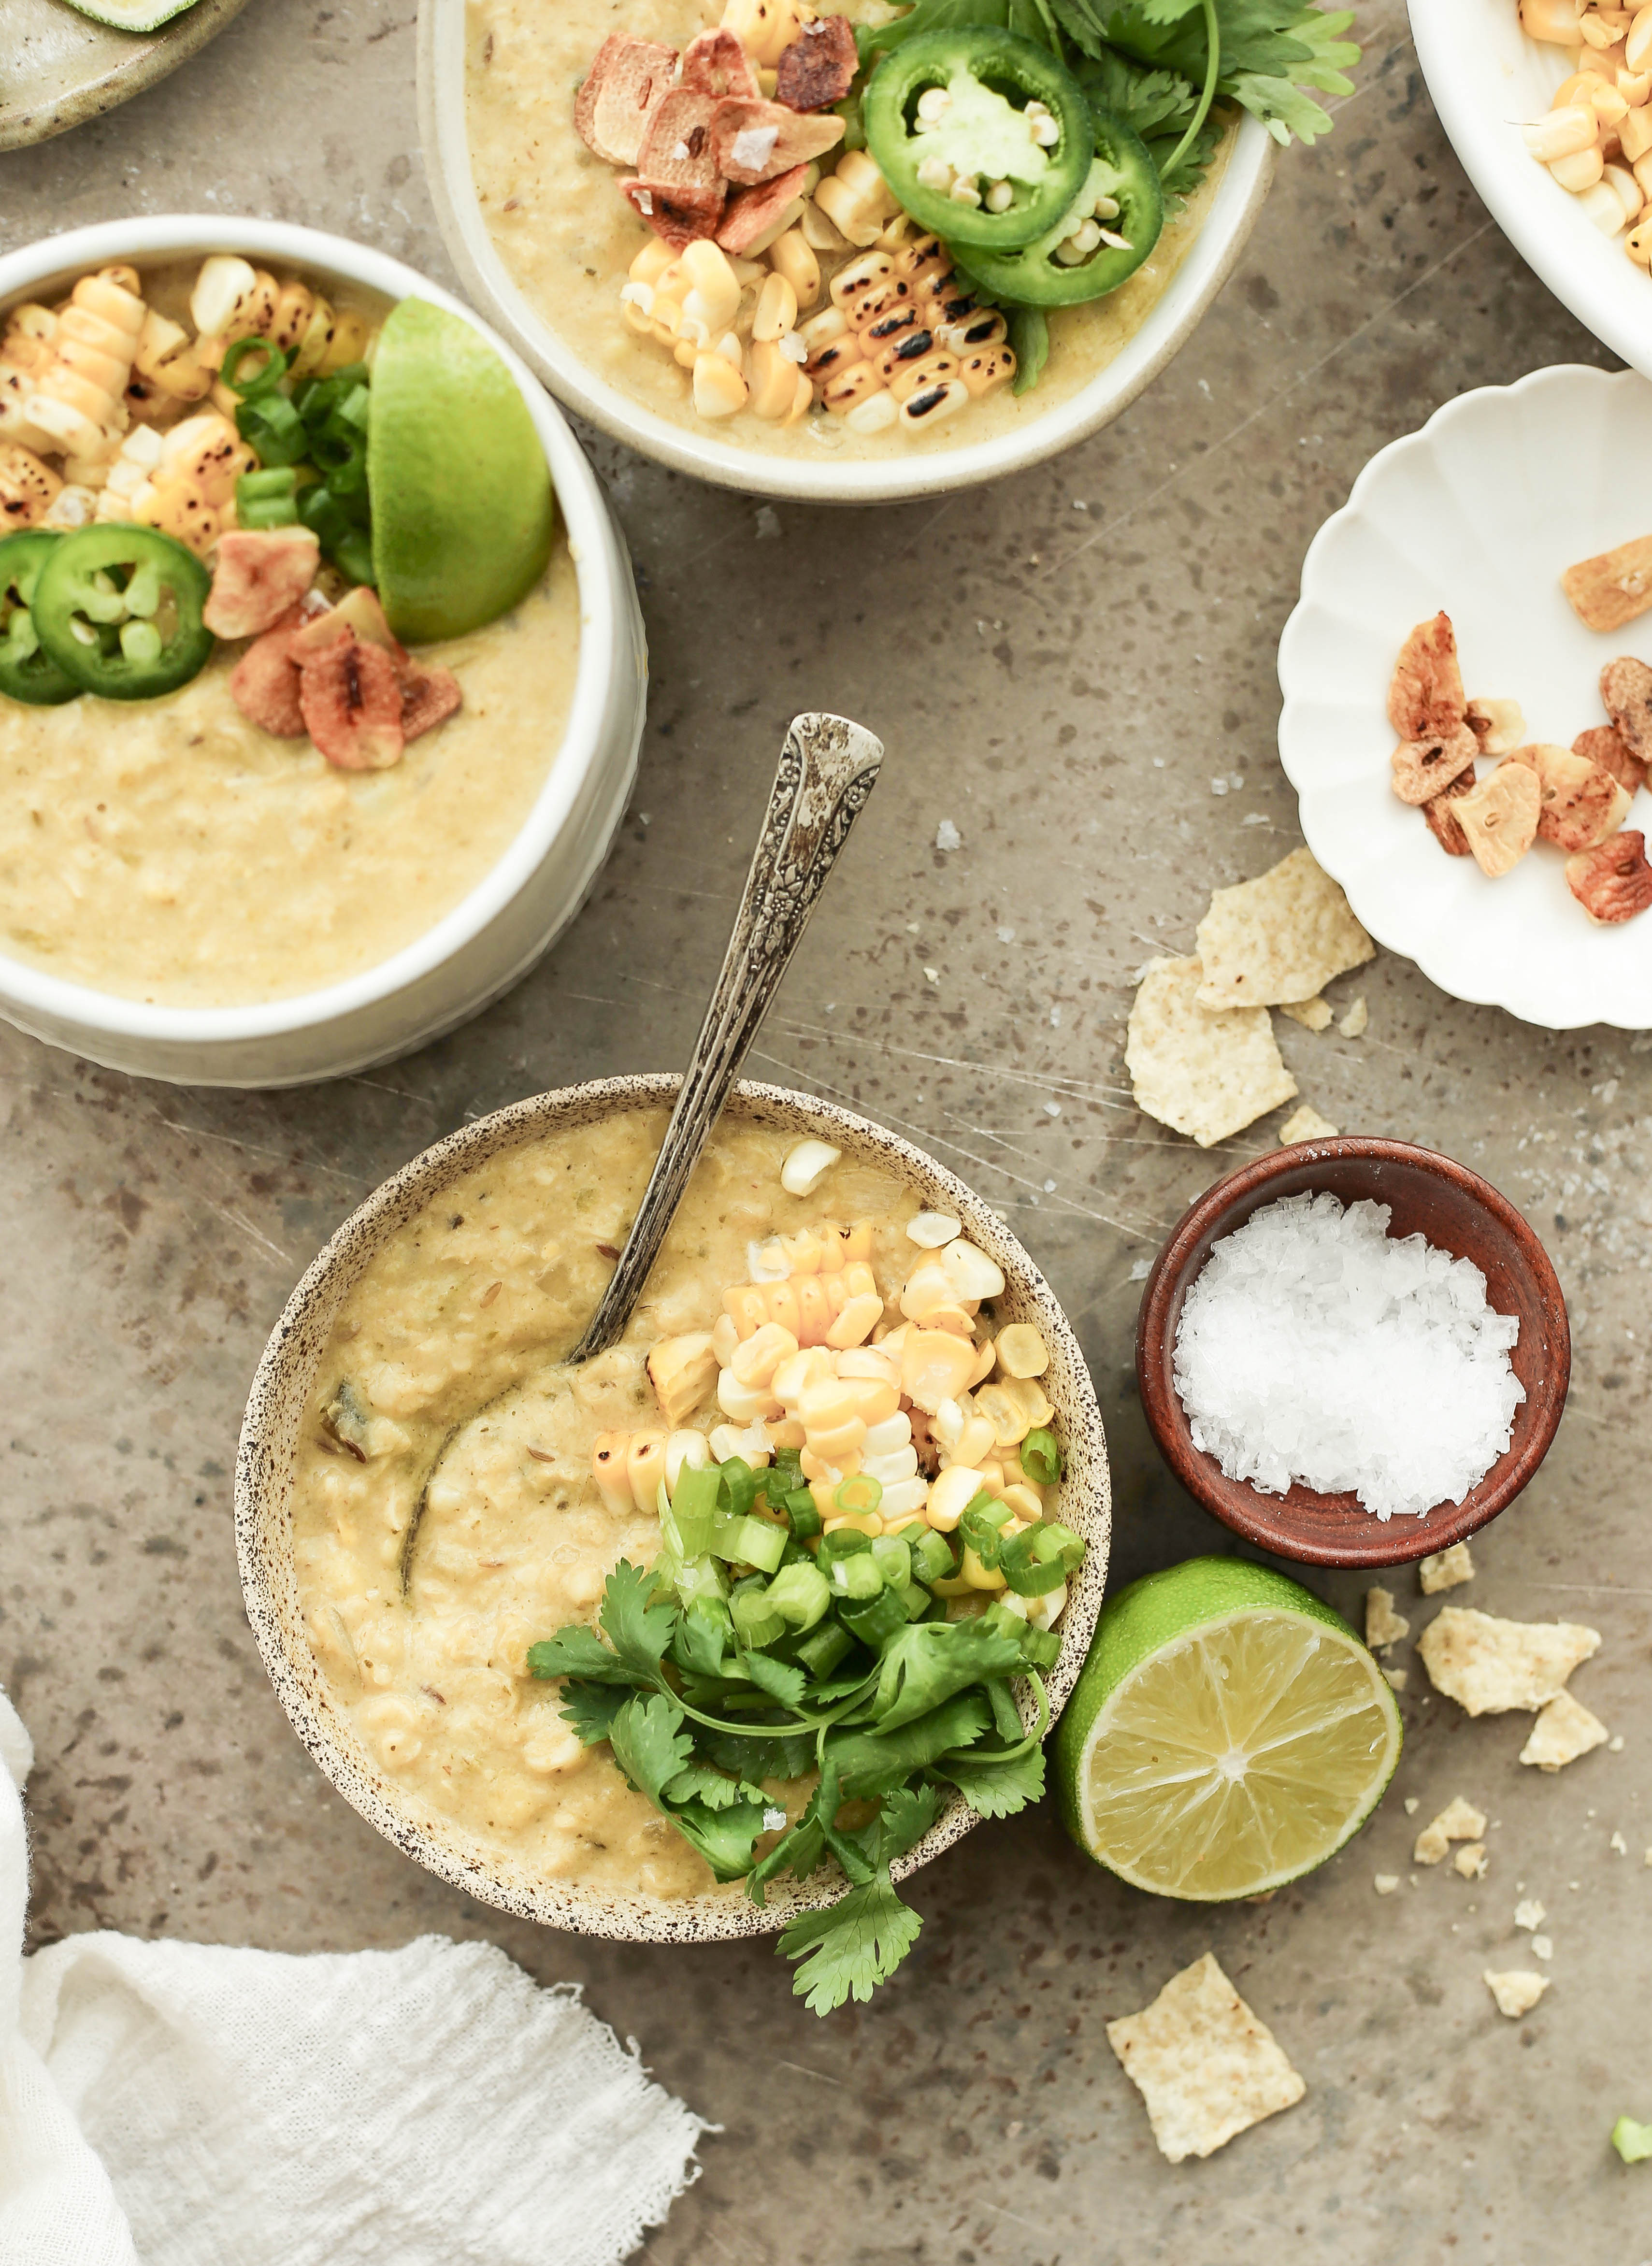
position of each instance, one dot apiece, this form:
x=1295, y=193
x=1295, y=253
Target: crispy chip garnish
x=1613, y=587
x=1205, y=1073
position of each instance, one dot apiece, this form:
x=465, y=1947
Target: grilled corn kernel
x=860, y=276
x=842, y=392
x=773, y=382
x=317, y=339
x=934, y=405
x=351, y=332
x=28, y=489
x=1638, y=244
x=720, y=390
x=223, y=287
x=825, y=329
x=765, y=29
x=876, y=413
x=776, y=311
x=984, y=373
x=906, y=378
x=294, y=308
x=791, y=257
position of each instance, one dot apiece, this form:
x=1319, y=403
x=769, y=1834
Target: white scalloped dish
x=1479, y=513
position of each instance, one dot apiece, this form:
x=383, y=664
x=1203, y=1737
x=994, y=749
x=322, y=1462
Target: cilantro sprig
x=893, y=1706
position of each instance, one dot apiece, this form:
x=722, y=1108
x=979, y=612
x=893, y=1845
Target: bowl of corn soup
x=425, y=1491
x=522, y=122
x=331, y=795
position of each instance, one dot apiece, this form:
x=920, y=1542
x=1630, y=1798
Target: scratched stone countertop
x=1076, y=668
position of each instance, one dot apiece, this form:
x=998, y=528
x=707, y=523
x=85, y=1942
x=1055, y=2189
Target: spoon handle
x=827, y=768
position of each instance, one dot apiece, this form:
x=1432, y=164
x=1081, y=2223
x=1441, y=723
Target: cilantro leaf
x=638, y=1631
x=1029, y=341
x=928, y=1661
x=650, y=1744
x=1159, y=105
x=576, y=1651
x=699, y=1782
x=724, y=1837
x=993, y=1788
x=1273, y=51
x=799, y=1850
x=779, y=1679
x=697, y=1645
x=847, y=1950
x=930, y=16
x=907, y=1818
x=875, y=1763
x=591, y=1708
x=757, y=1758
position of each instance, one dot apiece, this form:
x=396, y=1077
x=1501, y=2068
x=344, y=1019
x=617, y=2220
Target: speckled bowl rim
x=1176, y=314
x=265, y=1459
x=174, y=43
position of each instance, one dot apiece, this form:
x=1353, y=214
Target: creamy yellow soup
x=472, y=1436
x=566, y=236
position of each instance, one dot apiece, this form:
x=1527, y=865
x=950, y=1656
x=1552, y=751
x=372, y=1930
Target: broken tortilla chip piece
x=1280, y=938
x=1202, y=1074
x=1564, y=1729
x=1383, y=1625
x=1206, y=2067
x=1305, y=1124
x=1488, y=1666
x=1516, y=1989
x=1313, y=1014
x=1447, y=1569
x=1613, y=587
x=1458, y=1821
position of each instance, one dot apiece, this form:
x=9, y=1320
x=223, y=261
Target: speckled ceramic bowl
x=264, y=1479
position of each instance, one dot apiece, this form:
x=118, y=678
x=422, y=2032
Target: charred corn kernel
x=295, y=305
x=757, y=1357
x=876, y=413
x=776, y=311
x=608, y=1469
x=1022, y=1351
x=905, y=379
x=75, y=397
x=720, y=390
x=1637, y=46
x=891, y=328
x=164, y=355
x=986, y=327
x=28, y=489
x=652, y=261
x=984, y=373
x=792, y=258
x=644, y=1467
x=223, y=287
x=823, y=329
x=1562, y=134
x=175, y=507
x=934, y=405
x=318, y=338
x=868, y=273
x=684, y=1451
x=849, y=386
x=829, y=362
x=71, y=508
x=135, y=465
x=1638, y=244
x=207, y=453
x=348, y=342
x=1579, y=172
x=856, y=197
x=765, y=29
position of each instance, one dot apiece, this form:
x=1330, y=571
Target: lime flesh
x=132, y=15
x=1228, y=1733
x=462, y=508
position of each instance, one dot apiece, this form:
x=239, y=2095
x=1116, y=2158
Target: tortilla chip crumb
x=1516, y=1989
x=1202, y=1073
x=1396, y=1679
x=1306, y=1125
x=1353, y=1024
x=1281, y=937
x=1447, y=1569
x=1207, y=2069
x=1386, y=1884
x=1614, y=1745
x=1542, y=1948
x=1528, y=1913
x=1458, y=1821
x=1383, y=1625
x=1313, y=1014
x=1472, y=1861
x=1413, y=1804
x=1488, y=1665
x=1618, y=1847
x=1563, y=1730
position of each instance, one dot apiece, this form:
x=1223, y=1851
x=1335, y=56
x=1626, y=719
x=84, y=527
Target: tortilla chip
x=1447, y=1569
x=1305, y=1124
x=1471, y=1860
x=1396, y=1679
x=1205, y=2066
x=1383, y=1625
x=1278, y=939
x=1564, y=1729
x=1353, y=1025
x=1205, y=1075
x=1313, y=1014
x=1458, y=1821
x=1516, y=1989
x=1385, y=1883
x=1488, y=1666
x=1530, y=1913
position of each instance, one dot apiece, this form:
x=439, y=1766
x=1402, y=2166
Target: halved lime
x=1228, y=1733
x=463, y=509
x=132, y=15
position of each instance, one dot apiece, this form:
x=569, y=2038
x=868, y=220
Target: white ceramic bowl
x=1478, y=513
x=491, y=937
x=263, y=1525
x=1488, y=79
x=442, y=132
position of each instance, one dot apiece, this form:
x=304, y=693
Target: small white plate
x=1486, y=80
x=1478, y=513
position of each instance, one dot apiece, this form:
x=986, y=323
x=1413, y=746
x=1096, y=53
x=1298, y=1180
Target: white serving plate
x=493, y=936
x=1478, y=513
x=446, y=147
x=1486, y=79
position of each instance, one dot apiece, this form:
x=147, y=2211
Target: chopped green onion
x=267, y=499
x=804, y=1513
x=842, y=1542
x=856, y=1578
x=932, y=1557
x=801, y=1594
x=876, y=1621
x=860, y=1495
x=740, y=1485
x=274, y=427
x=823, y=1648
x=916, y=1600
x=1031, y=1579
x=892, y=1559
x=979, y=1528
x=272, y=368
x=1040, y=1648
x=755, y=1624
x=750, y=1542
x=1040, y=1457
x=694, y=1507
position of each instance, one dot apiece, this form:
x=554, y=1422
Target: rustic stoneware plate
x=1456, y=1212
x=1478, y=513
x=1488, y=79
x=1238, y=199
x=263, y=1484
x=58, y=68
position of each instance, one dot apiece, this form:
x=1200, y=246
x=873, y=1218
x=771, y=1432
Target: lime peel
x=1633, y=2141
x=132, y=15
x=1228, y=1734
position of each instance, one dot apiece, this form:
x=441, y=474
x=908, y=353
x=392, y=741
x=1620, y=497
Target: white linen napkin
x=183, y=2104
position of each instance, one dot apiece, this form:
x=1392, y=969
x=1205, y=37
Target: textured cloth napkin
x=188, y=2104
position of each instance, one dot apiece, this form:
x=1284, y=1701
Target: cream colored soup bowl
x=269, y=1442
x=493, y=936
x=1235, y=203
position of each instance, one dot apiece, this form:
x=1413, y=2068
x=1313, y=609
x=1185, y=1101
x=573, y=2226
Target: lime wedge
x=133, y=15
x=462, y=510
x=1228, y=1733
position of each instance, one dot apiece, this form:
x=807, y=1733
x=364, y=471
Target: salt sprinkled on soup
x=1314, y=1347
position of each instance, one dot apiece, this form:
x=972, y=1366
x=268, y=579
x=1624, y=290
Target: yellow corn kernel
x=713, y=295
x=312, y=347
x=746, y=1306
x=823, y=329
x=124, y=277
x=1555, y=21
x=793, y=260
x=837, y=1445
x=933, y=405
x=864, y=1522
x=815, y=1309
x=773, y=382
x=776, y=311
x=984, y=373
x=644, y=1467
x=985, y=1357
x=294, y=305
x=873, y=1401
x=652, y=261
x=975, y=1444
x=1642, y=171
x=1637, y=46
x=904, y=379
x=28, y=489
x=934, y=1364
x=1009, y=1418
x=765, y=29
x=1638, y=244
x=608, y=1452
x=224, y=288
x=856, y=198
x=801, y=1252
x=348, y=342
x=177, y=508
x=759, y=1356
x=1579, y=172
x=793, y=1377
x=1022, y=1351
x=1635, y=87
x=854, y=1325
x=784, y=1432
x=720, y=390
x=1634, y=135
x=852, y=282
x=744, y=1404
x=1562, y=134
x=826, y=1401
x=979, y=1576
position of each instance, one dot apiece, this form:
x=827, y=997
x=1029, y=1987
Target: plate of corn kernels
x=1548, y=104
x=1467, y=717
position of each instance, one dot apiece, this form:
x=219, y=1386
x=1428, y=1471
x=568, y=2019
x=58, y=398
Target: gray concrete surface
x=1024, y=651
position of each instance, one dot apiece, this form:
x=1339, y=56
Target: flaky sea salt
x=1315, y=1346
